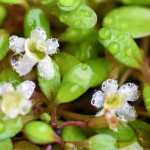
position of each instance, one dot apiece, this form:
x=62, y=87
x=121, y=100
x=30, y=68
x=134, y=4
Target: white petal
x=110, y=86
x=127, y=113
x=26, y=88
x=25, y=106
x=98, y=99
x=16, y=44
x=100, y=113
x=45, y=68
x=22, y=64
x=39, y=34
x=51, y=46
x=129, y=91
x=6, y=87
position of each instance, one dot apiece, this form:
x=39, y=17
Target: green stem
x=29, y=118
x=52, y=105
x=73, y=116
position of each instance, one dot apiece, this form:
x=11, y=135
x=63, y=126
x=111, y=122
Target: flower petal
x=26, y=88
x=100, y=113
x=38, y=34
x=98, y=99
x=22, y=64
x=129, y=91
x=126, y=113
x=45, y=68
x=109, y=86
x=51, y=46
x=6, y=87
x=16, y=44
x=25, y=106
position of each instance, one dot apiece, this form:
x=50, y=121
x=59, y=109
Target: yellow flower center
x=10, y=102
x=35, y=49
x=114, y=101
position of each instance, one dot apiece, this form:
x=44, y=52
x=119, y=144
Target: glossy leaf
x=2, y=14
x=137, y=2
x=68, y=5
x=4, y=43
x=11, y=1
x=72, y=35
x=146, y=95
x=100, y=68
x=8, y=75
x=6, y=145
x=35, y=18
x=74, y=83
x=143, y=131
x=24, y=145
x=39, y=132
x=9, y=128
x=73, y=134
x=81, y=18
x=101, y=142
x=50, y=87
x=132, y=19
x=121, y=46
x=65, y=62
x=125, y=133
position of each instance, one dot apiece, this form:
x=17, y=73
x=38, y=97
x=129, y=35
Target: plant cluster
x=74, y=74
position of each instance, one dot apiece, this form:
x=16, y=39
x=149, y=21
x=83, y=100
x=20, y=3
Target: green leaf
x=102, y=142
x=65, y=62
x=9, y=128
x=100, y=68
x=125, y=133
x=132, y=19
x=8, y=75
x=10, y=1
x=73, y=134
x=24, y=145
x=122, y=46
x=81, y=18
x=68, y=5
x=4, y=43
x=50, y=87
x=2, y=14
x=35, y=17
x=6, y=145
x=136, y=2
x=146, y=95
x=72, y=35
x=75, y=82
x=143, y=131
x=39, y=132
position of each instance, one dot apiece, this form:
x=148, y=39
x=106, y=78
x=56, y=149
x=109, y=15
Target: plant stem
x=74, y=123
x=145, y=114
x=73, y=116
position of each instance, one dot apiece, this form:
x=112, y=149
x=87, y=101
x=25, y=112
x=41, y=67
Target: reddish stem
x=54, y=117
x=74, y=123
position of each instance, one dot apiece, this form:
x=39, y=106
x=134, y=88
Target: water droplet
x=12, y=38
x=120, y=37
x=128, y=52
x=104, y=34
x=15, y=59
x=108, y=21
x=114, y=48
x=84, y=67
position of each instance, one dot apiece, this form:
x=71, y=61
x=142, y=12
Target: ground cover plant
x=74, y=75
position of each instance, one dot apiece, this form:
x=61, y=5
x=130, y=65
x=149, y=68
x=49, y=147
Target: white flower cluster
x=114, y=101
x=16, y=102
x=37, y=50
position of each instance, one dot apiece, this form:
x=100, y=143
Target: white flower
x=114, y=101
x=37, y=50
x=16, y=102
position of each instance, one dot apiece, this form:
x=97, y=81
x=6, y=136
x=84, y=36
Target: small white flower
x=114, y=101
x=16, y=102
x=37, y=50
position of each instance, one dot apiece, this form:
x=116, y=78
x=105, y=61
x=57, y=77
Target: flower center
x=114, y=101
x=10, y=102
x=35, y=49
